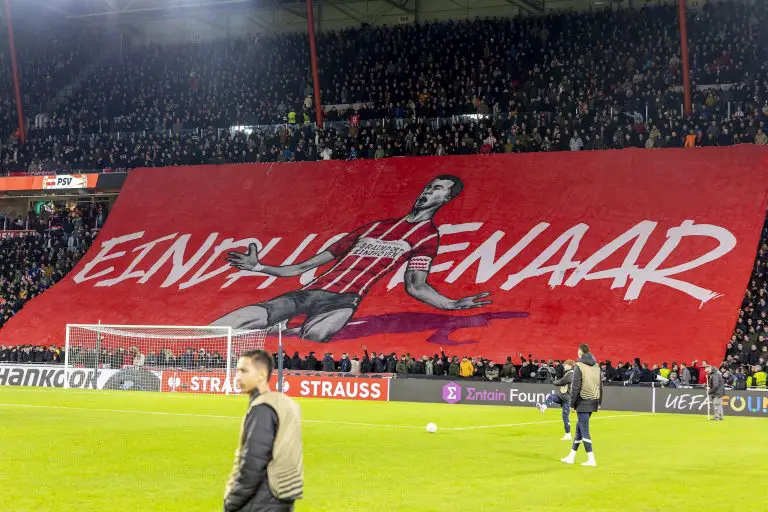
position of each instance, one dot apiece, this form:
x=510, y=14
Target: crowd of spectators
x=32, y=354
x=118, y=357
x=574, y=81
x=748, y=347
x=526, y=370
x=47, y=62
x=439, y=365
x=32, y=260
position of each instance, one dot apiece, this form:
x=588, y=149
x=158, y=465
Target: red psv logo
x=339, y=388
x=65, y=181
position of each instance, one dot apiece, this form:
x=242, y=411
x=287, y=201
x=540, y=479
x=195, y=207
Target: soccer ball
x=431, y=428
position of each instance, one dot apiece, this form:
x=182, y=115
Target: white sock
x=590, y=457
x=571, y=455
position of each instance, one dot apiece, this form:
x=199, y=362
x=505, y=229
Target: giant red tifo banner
x=636, y=252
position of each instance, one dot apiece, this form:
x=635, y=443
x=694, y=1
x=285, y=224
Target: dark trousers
x=553, y=398
x=582, y=432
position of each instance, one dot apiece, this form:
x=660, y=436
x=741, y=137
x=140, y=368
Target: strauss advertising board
x=299, y=386
x=636, y=252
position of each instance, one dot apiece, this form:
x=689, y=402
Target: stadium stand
x=47, y=65
x=577, y=81
x=572, y=81
x=33, y=261
x=747, y=351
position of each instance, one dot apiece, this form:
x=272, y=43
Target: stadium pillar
x=313, y=58
x=15, y=71
x=684, y=57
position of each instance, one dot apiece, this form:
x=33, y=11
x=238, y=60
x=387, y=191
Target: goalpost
x=170, y=358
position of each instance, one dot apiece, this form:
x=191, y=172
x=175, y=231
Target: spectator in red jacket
x=701, y=368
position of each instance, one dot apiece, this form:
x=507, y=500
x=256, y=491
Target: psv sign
x=65, y=181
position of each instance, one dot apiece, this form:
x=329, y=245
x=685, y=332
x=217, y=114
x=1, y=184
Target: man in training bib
x=586, y=397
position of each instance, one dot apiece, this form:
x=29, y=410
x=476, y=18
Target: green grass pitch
x=79, y=451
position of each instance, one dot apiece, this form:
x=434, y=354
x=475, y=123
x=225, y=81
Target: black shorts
x=307, y=302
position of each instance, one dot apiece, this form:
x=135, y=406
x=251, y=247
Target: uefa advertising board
x=694, y=401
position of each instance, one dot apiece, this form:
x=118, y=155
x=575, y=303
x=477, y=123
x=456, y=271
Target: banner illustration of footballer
x=362, y=258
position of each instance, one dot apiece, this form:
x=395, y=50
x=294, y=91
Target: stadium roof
x=133, y=13
x=84, y=9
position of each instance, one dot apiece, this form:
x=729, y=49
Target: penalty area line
x=104, y=392
x=319, y=422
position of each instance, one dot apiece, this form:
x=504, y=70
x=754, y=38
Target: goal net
x=157, y=358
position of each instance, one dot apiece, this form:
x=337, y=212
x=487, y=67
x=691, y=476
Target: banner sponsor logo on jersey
x=606, y=247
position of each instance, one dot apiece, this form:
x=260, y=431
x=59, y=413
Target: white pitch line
x=157, y=413
x=322, y=422
x=504, y=425
x=101, y=392
x=161, y=413
x=355, y=424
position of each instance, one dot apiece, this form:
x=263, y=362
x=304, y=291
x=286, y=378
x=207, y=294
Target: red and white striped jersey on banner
x=374, y=250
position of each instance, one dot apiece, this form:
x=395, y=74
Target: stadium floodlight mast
x=197, y=359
